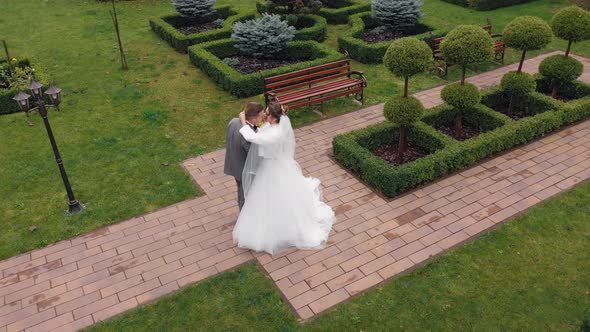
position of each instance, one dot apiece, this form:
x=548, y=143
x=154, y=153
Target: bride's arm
x=261, y=138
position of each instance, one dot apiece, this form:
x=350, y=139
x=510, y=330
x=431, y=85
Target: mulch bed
x=468, y=131
x=189, y=29
x=517, y=113
x=371, y=37
x=389, y=154
x=558, y=97
x=249, y=65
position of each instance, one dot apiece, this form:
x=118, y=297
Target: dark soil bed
x=248, y=65
x=191, y=28
x=381, y=34
x=389, y=154
x=334, y=4
x=468, y=131
x=558, y=97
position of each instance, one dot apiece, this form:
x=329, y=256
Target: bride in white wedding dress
x=283, y=208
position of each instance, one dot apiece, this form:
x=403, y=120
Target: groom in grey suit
x=237, y=147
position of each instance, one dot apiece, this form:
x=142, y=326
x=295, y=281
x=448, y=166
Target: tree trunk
x=458, y=125
x=406, y=87
x=463, y=75
x=554, y=90
x=402, y=145
x=569, y=46
x=511, y=105
x=521, y=61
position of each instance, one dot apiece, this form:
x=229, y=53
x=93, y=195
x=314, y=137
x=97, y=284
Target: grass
x=123, y=134
x=530, y=274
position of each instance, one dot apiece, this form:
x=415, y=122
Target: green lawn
x=123, y=134
x=531, y=274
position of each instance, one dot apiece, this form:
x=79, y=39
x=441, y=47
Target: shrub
x=397, y=15
x=572, y=24
x=293, y=6
x=263, y=37
x=165, y=27
x=208, y=57
x=403, y=111
x=517, y=85
x=352, y=39
x=407, y=57
x=19, y=78
x=465, y=45
x=527, y=33
x=194, y=8
x=560, y=70
x=486, y=4
x=461, y=97
x=570, y=90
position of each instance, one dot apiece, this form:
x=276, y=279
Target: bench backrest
x=437, y=41
x=307, y=77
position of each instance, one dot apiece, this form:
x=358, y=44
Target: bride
x=283, y=208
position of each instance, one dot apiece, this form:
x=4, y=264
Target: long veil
x=283, y=147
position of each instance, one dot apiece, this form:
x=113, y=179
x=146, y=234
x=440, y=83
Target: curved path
x=93, y=277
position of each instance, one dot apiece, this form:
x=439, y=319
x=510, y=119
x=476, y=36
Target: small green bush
x=264, y=37
x=569, y=90
x=398, y=15
x=465, y=45
x=572, y=24
x=561, y=69
x=527, y=33
x=461, y=96
x=194, y=8
x=518, y=84
x=408, y=57
x=403, y=111
x=25, y=68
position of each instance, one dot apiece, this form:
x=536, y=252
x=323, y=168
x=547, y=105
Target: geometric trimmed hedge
x=333, y=15
x=353, y=150
x=317, y=30
x=486, y=4
x=7, y=105
x=164, y=27
x=352, y=39
x=209, y=58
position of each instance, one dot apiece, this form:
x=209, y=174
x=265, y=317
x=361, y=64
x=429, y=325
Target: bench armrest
x=497, y=35
x=360, y=75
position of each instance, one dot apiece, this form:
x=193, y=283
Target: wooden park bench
x=315, y=85
x=442, y=66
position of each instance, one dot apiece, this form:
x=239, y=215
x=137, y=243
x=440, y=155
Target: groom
x=237, y=147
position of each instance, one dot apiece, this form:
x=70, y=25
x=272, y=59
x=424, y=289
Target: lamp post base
x=75, y=207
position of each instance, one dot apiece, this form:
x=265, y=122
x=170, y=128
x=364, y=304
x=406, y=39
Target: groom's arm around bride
x=237, y=147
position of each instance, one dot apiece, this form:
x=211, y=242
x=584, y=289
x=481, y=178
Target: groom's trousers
x=240, y=194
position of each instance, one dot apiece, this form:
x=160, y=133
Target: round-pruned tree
x=560, y=70
x=397, y=15
x=465, y=45
x=517, y=85
x=572, y=24
x=194, y=8
x=527, y=33
x=405, y=57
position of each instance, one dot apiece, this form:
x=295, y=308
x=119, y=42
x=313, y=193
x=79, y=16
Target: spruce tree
x=397, y=15
x=194, y=8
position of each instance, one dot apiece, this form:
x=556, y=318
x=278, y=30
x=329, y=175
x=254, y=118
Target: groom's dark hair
x=252, y=110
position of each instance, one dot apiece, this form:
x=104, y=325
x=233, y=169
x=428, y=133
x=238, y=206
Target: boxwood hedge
x=353, y=150
x=7, y=105
x=317, y=28
x=333, y=15
x=352, y=40
x=209, y=58
x=164, y=27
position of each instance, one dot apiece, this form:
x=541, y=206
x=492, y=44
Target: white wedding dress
x=283, y=208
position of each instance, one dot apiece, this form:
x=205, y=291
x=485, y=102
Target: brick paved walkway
x=78, y=282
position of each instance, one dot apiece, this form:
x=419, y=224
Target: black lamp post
x=53, y=92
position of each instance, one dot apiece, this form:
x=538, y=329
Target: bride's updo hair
x=275, y=110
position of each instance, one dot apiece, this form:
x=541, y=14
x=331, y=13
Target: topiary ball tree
x=407, y=57
x=517, y=85
x=572, y=24
x=194, y=8
x=263, y=37
x=560, y=70
x=527, y=33
x=404, y=111
x=462, y=97
x=465, y=45
x=397, y=15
